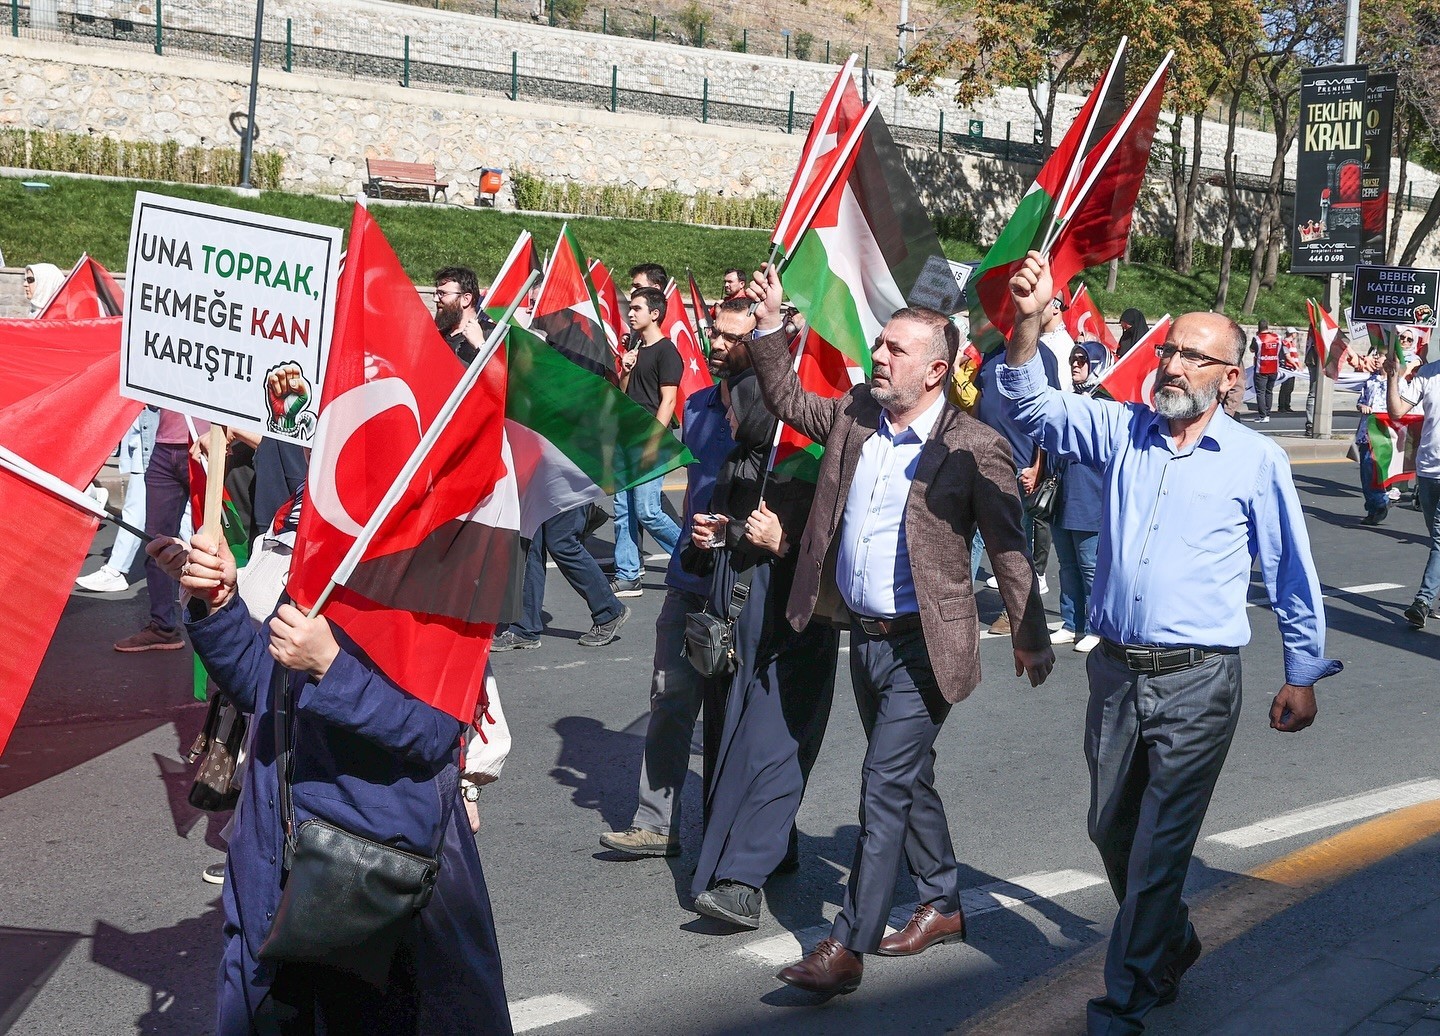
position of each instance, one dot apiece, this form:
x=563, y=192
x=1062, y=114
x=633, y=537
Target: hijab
x=48, y=278
x=1135, y=329
x=1094, y=354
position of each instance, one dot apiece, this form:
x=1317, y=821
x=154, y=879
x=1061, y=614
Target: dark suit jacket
x=965, y=479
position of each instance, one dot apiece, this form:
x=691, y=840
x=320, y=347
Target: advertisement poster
x=228, y=315
x=1330, y=170
x=1375, y=180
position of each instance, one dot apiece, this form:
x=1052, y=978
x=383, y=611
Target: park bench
x=403, y=178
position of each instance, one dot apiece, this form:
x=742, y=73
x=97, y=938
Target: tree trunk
x=1227, y=241
x=1421, y=231
x=1177, y=191
x=1404, y=137
x=1270, y=213
x=1185, y=240
x=1112, y=280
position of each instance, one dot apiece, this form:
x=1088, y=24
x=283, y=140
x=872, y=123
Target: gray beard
x=1182, y=408
x=893, y=399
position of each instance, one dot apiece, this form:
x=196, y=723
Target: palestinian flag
x=567, y=312
x=423, y=547
x=1132, y=377
x=695, y=371
x=869, y=250
x=704, y=322
x=88, y=291
x=575, y=438
x=1325, y=334
x=511, y=278
x=823, y=370
x=1056, y=185
x=232, y=522
x=1086, y=323
x=1392, y=447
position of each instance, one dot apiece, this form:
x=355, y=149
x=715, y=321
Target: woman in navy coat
x=371, y=759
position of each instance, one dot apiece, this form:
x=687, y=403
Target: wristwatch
x=470, y=790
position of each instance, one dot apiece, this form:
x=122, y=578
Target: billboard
x=1375, y=180
x=1329, y=173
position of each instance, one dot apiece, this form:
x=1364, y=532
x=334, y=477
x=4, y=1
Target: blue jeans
x=635, y=509
x=1375, y=499
x=1076, y=551
x=1427, y=490
x=560, y=537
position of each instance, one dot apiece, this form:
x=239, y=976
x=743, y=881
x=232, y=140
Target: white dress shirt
x=873, y=565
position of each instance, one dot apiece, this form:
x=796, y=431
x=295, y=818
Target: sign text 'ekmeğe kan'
x=228, y=314
x=1394, y=295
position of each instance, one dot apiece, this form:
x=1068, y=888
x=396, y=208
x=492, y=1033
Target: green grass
x=93, y=216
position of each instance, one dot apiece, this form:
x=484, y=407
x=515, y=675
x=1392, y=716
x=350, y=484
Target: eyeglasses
x=1079, y=361
x=726, y=336
x=1190, y=358
x=29, y=280
x=439, y=294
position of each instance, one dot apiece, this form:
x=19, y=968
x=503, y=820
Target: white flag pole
x=41, y=479
x=1073, y=173
x=1124, y=127
x=417, y=457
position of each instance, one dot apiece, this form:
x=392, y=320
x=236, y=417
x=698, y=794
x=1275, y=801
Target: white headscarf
x=48, y=278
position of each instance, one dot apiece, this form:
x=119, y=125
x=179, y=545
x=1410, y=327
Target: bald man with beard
x=1192, y=500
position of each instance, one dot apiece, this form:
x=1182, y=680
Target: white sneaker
x=104, y=580
x=993, y=583
x=1058, y=624
x=1044, y=587
x=1062, y=636
x=1087, y=643
x=1262, y=420
x=1393, y=495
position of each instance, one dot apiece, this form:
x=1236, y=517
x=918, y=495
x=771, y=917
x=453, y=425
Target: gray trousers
x=902, y=711
x=1155, y=746
x=675, y=688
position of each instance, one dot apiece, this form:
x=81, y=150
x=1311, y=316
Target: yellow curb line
x=1055, y=1002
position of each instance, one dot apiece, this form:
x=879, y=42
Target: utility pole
x=900, y=31
x=1324, y=424
x=247, y=139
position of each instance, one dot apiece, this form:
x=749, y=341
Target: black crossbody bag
x=710, y=639
x=347, y=899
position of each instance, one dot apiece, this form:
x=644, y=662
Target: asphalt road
x=106, y=927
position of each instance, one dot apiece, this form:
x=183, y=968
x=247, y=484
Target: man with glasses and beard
x=1193, y=499
x=457, y=293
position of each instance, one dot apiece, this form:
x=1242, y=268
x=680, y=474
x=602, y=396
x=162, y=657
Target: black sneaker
x=1376, y=517
x=626, y=588
x=732, y=902
x=512, y=641
x=1168, y=985
x=603, y=633
x=1417, y=613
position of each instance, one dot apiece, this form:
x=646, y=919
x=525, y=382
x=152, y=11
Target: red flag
x=68, y=429
x=567, y=312
x=1086, y=323
x=1097, y=223
x=424, y=598
x=695, y=371
x=840, y=109
x=88, y=292
x=825, y=371
x=512, y=276
x=1132, y=378
x=615, y=317
x=36, y=354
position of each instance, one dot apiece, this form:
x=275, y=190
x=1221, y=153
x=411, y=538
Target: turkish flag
x=1086, y=323
x=1132, y=378
x=695, y=370
x=68, y=429
x=39, y=354
x=616, y=319
x=89, y=291
x=424, y=598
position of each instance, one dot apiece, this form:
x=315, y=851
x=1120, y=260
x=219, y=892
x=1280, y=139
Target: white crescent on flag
x=343, y=417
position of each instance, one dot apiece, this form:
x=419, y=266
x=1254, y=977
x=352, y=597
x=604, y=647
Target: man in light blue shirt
x=1192, y=500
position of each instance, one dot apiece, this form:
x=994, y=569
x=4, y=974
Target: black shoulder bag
x=347, y=900
x=709, y=639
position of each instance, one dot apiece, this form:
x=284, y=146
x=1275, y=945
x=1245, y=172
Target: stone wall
x=327, y=128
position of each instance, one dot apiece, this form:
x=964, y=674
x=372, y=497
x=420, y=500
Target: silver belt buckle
x=1140, y=659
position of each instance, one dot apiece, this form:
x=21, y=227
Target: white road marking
x=788, y=947
x=1329, y=814
x=1363, y=588
x=539, y=1011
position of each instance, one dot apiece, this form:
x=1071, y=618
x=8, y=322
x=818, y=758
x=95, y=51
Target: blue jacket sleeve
x=235, y=653
x=356, y=698
x=1067, y=424
x=1282, y=547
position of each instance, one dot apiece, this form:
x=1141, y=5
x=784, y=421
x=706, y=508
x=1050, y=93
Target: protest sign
x=1394, y=295
x=228, y=315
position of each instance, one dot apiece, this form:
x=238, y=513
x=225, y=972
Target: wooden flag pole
x=214, y=482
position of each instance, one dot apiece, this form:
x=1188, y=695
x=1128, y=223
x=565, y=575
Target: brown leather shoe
x=829, y=968
x=927, y=926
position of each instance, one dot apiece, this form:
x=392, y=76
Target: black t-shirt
x=656, y=366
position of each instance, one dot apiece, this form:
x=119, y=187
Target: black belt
x=887, y=627
x=1160, y=660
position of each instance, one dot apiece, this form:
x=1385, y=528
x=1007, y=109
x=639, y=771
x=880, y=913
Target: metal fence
x=335, y=47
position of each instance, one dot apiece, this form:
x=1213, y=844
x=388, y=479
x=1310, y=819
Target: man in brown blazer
x=905, y=481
